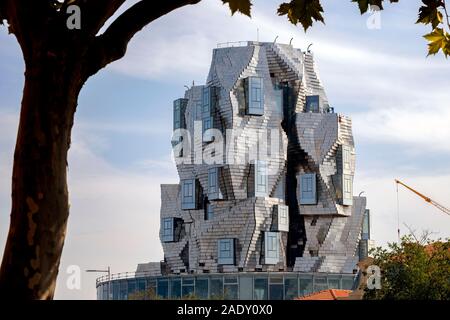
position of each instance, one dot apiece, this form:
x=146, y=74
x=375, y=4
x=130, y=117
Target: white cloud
x=426, y=130
x=114, y=217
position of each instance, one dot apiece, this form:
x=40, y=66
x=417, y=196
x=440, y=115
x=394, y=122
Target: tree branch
x=112, y=44
x=95, y=13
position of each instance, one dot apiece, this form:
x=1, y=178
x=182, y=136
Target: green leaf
x=243, y=6
x=429, y=12
x=438, y=39
x=302, y=11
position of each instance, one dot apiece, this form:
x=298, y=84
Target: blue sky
x=398, y=99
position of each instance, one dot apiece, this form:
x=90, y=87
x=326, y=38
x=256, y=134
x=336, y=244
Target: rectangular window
x=213, y=184
x=363, y=249
x=179, y=108
x=312, y=104
x=348, y=190
x=346, y=157
x=206, y=101
x=281, y=212
x=261, y=179
x=225, y=251
x=366, y=225
x=168, y=230
x=198, y=110
x=271, y=246
x=254, y=95
x=308, y=192
x=207, y=124
x=209, y=211
x=188, y=194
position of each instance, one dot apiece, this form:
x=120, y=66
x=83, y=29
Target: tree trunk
x=40, y=206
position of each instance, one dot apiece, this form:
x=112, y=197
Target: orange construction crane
x=427, y=199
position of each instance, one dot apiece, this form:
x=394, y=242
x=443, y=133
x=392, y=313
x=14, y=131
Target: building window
x=179, y=108
x=207, y=100
x=213, y=184
x=271, y=246
x=366, y=225
x=348, y=190
x=312, y=104
x=281, y=213
x=212, y=180
x=207, y=124
x=254, y=96
x=308, y=192
x=209, y=211
x=168, y=234
x=346, y=157
x=225, y=251
x=261, y=179
x=188, y=194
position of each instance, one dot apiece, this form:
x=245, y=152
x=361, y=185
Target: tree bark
x=40, y=206
x=58, y=62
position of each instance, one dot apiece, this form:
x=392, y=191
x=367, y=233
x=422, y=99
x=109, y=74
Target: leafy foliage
x=438, y=39
x=413, y=270
x=302, y=11
x=243, y=6
x=432, y=12
x=365, y=4
x=306, y=12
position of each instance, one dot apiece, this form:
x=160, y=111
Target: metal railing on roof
x=141, y=274
x=235, y=44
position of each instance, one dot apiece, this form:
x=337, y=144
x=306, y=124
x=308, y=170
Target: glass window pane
x=131, y=286
x=141, y=284
x=290, y=288
x=334, y=283
x=320, y=283
x=231, y=291
x=201, y=288
x=216, y=288
x=188, y=290
x=175, y=288
x=347, y=283
x=123, y=295
x=306, y=286
x=276, y=292
x=260, y=292
x=105, y=291
x=116, y=288
x=245, y=288
x=163, y=288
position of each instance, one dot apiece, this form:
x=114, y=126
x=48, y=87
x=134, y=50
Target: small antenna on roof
x=290, y=41
x=308, y=49
x=275, y=39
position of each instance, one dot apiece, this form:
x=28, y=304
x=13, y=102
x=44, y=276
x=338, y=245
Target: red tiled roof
x=330, y=294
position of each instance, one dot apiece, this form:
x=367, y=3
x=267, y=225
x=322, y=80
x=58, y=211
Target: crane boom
x=427, y=199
